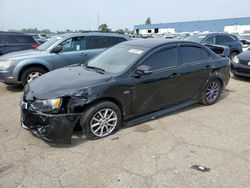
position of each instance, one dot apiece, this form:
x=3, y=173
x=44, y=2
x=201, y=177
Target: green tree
x=104, y=28
x=148, y=21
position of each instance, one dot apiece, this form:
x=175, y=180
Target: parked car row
x=24, y=66
x=12, y=41
x=129, y=83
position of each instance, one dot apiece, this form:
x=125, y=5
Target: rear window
x=16, y=39
x=190, y=54
x=96, y=42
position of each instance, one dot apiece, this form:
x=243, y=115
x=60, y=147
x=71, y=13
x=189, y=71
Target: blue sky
x=82, y=14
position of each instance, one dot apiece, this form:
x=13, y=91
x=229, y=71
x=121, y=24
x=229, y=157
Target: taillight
x=34, y=46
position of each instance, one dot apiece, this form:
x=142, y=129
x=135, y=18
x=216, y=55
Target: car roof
x=94, y=34
x=152, y=43
x=10, y=33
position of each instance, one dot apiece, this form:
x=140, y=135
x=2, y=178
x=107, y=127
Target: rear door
x=194, y=69
x=225, y=40
x=154, y=91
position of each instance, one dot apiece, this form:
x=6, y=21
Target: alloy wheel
x=212, y=92
x=103, y=122
x=32, y=76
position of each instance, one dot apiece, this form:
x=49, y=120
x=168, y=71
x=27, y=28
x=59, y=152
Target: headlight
x=5, y=64
x=236, y=59
x=47, y=105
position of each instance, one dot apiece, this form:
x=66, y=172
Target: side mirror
x=143, y=70
x=57, y=49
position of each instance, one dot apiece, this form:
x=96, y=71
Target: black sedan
x=240, y=65
x=127, y=84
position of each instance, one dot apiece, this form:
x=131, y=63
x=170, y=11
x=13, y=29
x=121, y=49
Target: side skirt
x=157, y=114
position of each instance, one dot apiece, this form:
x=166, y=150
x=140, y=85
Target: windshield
x=117, y=59
x=195, y=38
x=49, y=43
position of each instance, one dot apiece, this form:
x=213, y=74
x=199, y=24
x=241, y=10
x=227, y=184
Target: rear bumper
x=238, y=69
x=51, y=128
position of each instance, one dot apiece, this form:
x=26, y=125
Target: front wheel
x=101, y=119
x=212, y=92
x=31, y=74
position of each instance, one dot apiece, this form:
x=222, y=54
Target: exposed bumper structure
x=240, y=70
x=56, y=128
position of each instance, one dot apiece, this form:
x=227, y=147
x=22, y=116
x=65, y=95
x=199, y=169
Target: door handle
x=83, y=54
x=208, y=66
x=2, y=45
x=174, y=75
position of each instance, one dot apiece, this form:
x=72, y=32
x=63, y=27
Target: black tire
x=27, y=72
x=232, y=55
x=92, y=111
x=211, y=98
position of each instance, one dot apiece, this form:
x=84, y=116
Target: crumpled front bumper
x=55, y=128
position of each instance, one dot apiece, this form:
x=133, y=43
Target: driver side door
x=73, y=52
x=154, y=91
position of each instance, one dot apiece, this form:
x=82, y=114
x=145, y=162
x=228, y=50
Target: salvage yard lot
x=158, y=153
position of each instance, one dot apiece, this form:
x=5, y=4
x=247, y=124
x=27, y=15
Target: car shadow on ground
x=76, y=139
x=79, y=138
x=15, y=88
x=245, y=79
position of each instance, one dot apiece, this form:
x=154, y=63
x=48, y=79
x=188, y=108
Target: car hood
x=244, y=56
x=64, y=82
x=22, y=54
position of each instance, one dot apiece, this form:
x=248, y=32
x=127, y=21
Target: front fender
x=28, y=62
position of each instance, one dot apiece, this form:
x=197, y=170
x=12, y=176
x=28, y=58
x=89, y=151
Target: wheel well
x=110, y=99
x=221, y=82
x=235, y=51
x=31, y=66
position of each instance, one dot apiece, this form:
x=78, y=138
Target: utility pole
x=98, y=20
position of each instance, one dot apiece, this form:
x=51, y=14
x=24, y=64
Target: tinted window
x=96, y=42
x=205, y=55
x=23, y=38
x=220, y=39
x=6, y=39
x=17, y=39
x=162, y=59
x=210, y=40
x=192, y=54
x=73, y=44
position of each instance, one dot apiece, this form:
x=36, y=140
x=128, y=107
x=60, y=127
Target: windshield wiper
x=97, y=69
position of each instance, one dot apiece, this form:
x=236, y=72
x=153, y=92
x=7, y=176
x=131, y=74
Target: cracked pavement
x=158, y=153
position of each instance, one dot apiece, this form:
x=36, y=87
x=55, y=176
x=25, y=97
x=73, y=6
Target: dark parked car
x=24, y=66
x=12, y=41
x=127, y=84
x=240, y=65
x=223, y=39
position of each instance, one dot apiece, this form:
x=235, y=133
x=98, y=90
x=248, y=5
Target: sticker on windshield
x=135, y=51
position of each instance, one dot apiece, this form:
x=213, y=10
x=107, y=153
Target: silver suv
x=63, y=50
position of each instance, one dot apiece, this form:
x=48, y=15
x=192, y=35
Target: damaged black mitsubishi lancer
x=128, y=84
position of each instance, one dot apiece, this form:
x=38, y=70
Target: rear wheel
x=232, y=55
x=31, y=74
x=101, y=119
x=212, y=92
